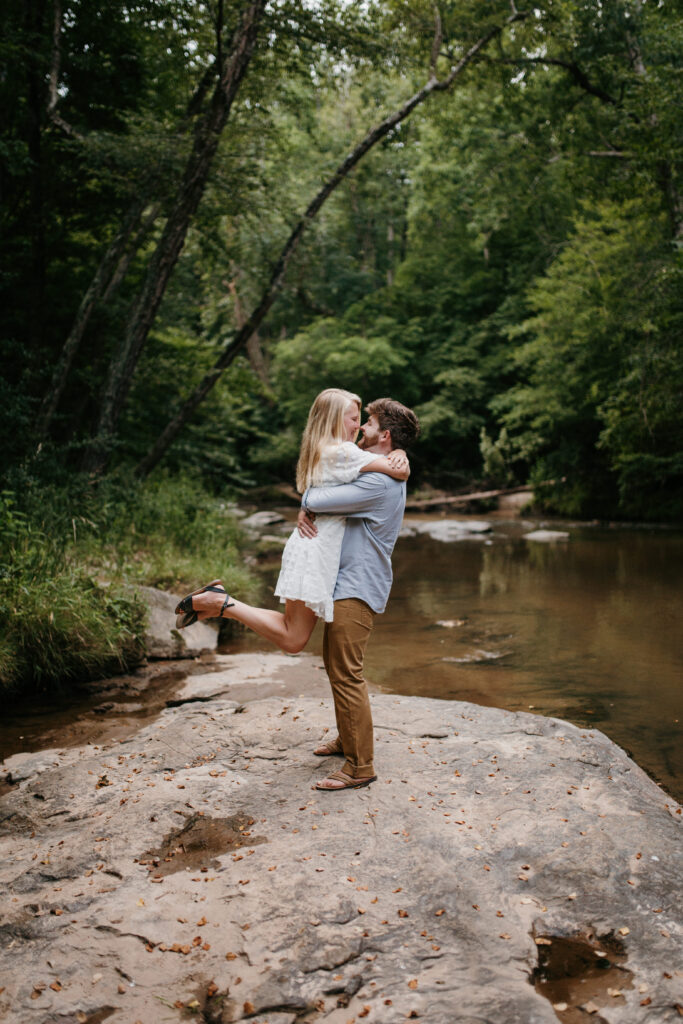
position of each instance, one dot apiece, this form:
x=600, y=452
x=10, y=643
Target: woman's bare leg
x=290, y=632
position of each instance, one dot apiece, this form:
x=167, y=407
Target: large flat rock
x=489, y=839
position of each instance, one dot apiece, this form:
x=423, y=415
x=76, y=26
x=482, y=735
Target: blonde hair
x=325, y=426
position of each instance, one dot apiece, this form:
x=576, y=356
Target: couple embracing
x=337, y=563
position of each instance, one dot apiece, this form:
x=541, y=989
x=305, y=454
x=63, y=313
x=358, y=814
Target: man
x=373, y=505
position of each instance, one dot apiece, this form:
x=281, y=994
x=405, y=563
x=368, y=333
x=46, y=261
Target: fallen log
x=463, y=499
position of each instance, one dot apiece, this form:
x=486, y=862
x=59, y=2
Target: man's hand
x=305, y=524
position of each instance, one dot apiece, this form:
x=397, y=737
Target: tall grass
x=69, y=561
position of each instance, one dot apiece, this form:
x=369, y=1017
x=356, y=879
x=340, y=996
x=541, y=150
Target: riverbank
x=192, y=868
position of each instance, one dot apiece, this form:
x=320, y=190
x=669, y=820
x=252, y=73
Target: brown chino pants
x=344, y=643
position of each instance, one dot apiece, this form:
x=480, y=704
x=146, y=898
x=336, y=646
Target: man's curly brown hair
x=399, y=420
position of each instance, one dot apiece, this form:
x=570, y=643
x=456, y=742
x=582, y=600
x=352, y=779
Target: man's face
x=369, y=433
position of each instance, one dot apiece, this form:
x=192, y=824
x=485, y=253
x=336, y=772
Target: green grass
x=69, y=562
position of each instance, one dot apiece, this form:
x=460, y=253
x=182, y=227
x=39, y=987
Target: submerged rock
x=451, y=529
x=194, y=866
x=547, y=536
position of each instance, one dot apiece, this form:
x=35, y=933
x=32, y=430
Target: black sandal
x=185, y=613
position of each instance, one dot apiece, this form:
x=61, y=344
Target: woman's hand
x=398, y=460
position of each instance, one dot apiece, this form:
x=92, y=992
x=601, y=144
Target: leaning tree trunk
x=241, y=338
x=164, y=259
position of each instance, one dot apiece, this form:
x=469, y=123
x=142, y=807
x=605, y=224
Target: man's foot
x=340, y=780
x=330, y=749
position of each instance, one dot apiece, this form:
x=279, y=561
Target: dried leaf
x=231, y=956
x=541, y=941
x=624, y=931
x=248, y=1007
x=212, y=989
x=560, y=1007
x=438, y=913
x=614, y=992
x=56, y=987
x=646, y=1001
x=201, y=922
x=412, y=983
x=504, y=935
x=590, y=1007
x=403, y=913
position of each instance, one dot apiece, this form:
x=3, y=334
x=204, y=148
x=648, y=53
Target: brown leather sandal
x=346, y=780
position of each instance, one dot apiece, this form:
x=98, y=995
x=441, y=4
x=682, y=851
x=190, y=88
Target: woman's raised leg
x=290, y=632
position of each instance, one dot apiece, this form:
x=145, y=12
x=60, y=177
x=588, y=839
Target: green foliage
x=603, y=374
x=58, y=625
x=70, y=558
x=505, y=261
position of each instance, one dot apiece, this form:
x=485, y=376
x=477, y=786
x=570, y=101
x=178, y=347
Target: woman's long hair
x=325, y=426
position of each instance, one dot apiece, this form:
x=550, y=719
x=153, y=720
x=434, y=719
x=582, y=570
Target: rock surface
x=162, y=639
x=193, y=868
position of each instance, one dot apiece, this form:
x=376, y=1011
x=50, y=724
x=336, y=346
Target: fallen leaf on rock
x=201, y=922
x=121, y=989
x=212, y=989
x=590, y=1007
x=56, y=986
x=624, y=931
x=503, y=935
x=81, y=1017
x=614, y=992
x=643, y=988
x=231, y=956
x=364, y=1012
x=646, y=1001
x=179, y=1004
x=540, y=941
x=560, y=1007
x=571, y=896
x=388, y=1002
x=248, y=1007
x=403, y=913
x=438, y=913
x=141, y=902
x=412, y=983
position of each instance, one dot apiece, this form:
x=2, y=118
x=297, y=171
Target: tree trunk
x=163, y=261
x=101, y=280
x=34, y=19
x=240, y=339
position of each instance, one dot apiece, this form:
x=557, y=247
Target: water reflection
x=588, y=630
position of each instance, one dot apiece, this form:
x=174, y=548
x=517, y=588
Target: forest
x=212, y=210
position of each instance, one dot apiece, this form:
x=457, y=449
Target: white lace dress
x=310, y=565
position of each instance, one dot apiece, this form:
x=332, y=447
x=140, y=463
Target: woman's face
x=351, y=421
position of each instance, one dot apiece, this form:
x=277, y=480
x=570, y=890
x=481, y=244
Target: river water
x=589, y=629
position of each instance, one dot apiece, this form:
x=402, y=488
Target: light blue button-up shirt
x=373, y=505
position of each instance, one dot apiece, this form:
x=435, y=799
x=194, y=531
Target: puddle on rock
x=580, y=975
x=199, y=842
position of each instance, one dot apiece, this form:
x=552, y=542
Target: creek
x=588, y=629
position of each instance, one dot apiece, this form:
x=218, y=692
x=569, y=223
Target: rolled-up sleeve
x=354, y=499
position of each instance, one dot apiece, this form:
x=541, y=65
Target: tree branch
x=580, y=77
x=240, y=339
x=55, y=67
x=437, y=41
